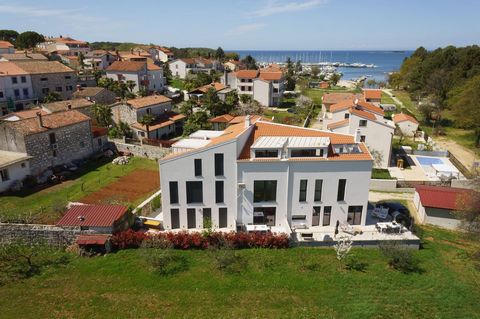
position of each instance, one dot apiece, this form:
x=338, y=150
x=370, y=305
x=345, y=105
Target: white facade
x=407, y=127
x=297, y=195
x=15, y=89
x=13, y=167
x=152, y=80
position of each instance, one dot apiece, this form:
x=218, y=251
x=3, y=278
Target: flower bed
x=195, y=240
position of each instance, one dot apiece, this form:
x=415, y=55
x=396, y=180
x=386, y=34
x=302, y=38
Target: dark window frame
x=354, y=215
x=222, y=222
x=261, y=187
x=219, y=192
x=342, y=185
x=316, y=213
x=173, y=190
x=219, y=164
x=193, y=197
x=198, y=167
x=327, y=216
x=191, y=221
x=266, y=153
x=175, y=225
x=302, y=195
x=317, y=196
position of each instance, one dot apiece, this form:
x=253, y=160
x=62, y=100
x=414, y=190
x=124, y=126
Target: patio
x=431, y=170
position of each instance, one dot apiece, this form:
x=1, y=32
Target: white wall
x=127, y=76
x=408, y=128
x=178, y=68
x=156, y=80
x=262, y=92
x=16, y=173
x=8, y=87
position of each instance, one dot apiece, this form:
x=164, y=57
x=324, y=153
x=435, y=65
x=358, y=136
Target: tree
x=102, y=114
x=9, y=35
x=469, y=211
x=146, y=120
x=245, y=98
x=427, y=110
x=289, y=77
x=250, y=63
x=195, y=122
x=28, y=39
x=394, y=80
x=371, y=83
x=81, y=59
x=52, y=97
x=335, y=78
x=464, y=104
x=298, y=67
x=186, y=107
x=315, y=71
x=231, y=101
x=219, y=54
x=342, y=248
x=131, y=85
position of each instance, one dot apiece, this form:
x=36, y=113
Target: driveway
x=389, y=92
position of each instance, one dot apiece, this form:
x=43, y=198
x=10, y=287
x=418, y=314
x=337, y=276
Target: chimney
x=79, y=87
x=69, y=106
x=357, y=135
x=39, y=119
x=355, y=102
x=247, y=121
x=131, y=51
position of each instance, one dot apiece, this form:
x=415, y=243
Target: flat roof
x=8, y=158
x=192, y=143
x=205, y=134
x=308, y=142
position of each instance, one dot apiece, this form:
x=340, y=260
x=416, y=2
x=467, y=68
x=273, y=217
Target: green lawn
x=49, y=202
x=283, y=117
x=293, y=283
x=404, y=97
x=379, y=173
x=177, y=83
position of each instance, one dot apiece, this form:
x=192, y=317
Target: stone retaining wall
x=147, y=151
x=34, y=233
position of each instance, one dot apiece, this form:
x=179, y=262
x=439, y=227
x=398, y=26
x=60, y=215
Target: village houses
x=6, y=47
x=144, y=74
x=182, y=67
x=16, y=90
x=99, y=59
x=64, y=46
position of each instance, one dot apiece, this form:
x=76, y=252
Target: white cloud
x=33, y=12
x=245, y=28
x=275, y=7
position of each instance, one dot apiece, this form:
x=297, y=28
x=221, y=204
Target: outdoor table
x=261, y=228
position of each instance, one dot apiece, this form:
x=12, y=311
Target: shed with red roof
x=436, y=205
x=103, y=219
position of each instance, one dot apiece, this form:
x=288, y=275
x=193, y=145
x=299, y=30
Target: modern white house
x=64, y=45
x=145, y=74
x=14, y=167
x=365, y=120
x=16, y=89
x=166, y=122
x=407, y=124
x=266, y=175
x=266, y=87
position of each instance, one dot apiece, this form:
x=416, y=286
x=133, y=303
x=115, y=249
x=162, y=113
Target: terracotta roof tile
x=332, y=98
x=363, y=114
x=402, y=117
x=271, y=76
x=26, y=114
x=140, y=102
x=217, y=86
x=225, y=118
x=61, y=106
x=346, y=104
x=338, y=124
x=92, y=239
x=372, y=94
x=23, y=57
x=127, y=66
x=88, y=91
x=93, y=215
x=50, y=121
x=10, y=68
x=163, y=121
x=6, y=45
x=246, y=74
x=42, y=67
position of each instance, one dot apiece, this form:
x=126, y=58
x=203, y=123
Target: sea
x=385, y=61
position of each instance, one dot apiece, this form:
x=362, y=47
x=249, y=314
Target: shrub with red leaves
x=128, y=239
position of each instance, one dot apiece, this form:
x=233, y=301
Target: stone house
x=81, y=105
x=50, y=139
x=166, y=121
x=50, y=76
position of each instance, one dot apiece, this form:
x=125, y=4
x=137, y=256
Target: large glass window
x=354, y=215
x=318, y=190
x=264, y=216
x=362, y=123
x=191, y=218
x=341, y=189
x=316, y=216
x=175, y=218
x=266, y=153
x=198, y=167
x=303, y=190
x=194, y=192
x=222, y=217
x=219, y=198
x=219, y=164
x=173, y=187
x=327, y=214
x=304, y=153
x=264, y=191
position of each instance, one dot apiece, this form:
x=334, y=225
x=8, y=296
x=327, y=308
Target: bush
x=229, y=261
x=128, y=239
x=156, y=242
x=165, y=262
x=352, y=263
x=400, y=258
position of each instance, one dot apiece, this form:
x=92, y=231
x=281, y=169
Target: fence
x=462, y=168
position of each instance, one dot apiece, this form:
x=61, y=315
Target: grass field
x=293, y=283
x=47, y=204
x=379, y=173
x=177, y=83
x=404, y=97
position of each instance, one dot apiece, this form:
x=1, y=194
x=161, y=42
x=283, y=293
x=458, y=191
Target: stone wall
x=125, y=113
x=146, y=151
x=73, y=142
x=33, y=233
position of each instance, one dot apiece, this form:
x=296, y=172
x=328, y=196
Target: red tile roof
x=127, y=66
x=363, y=114
x=372, y=94
x=225, y=118
x=338, y=124
x=140, y=102
x=345, y=104
x=98, y=131
x=271, y=76
x=92, y=239
x=6, y=45
x=402, y=117
x=93, y=215
x=10, y=68
x=332, y=98
x=246, y=74
x=163, y=121
x=217, y=86
x=442, y=197
x=31, y=126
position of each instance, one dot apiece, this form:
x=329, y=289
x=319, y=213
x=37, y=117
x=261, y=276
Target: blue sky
x=254, y=24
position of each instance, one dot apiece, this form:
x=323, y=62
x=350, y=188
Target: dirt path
x=379, y=196
x=463, y=154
